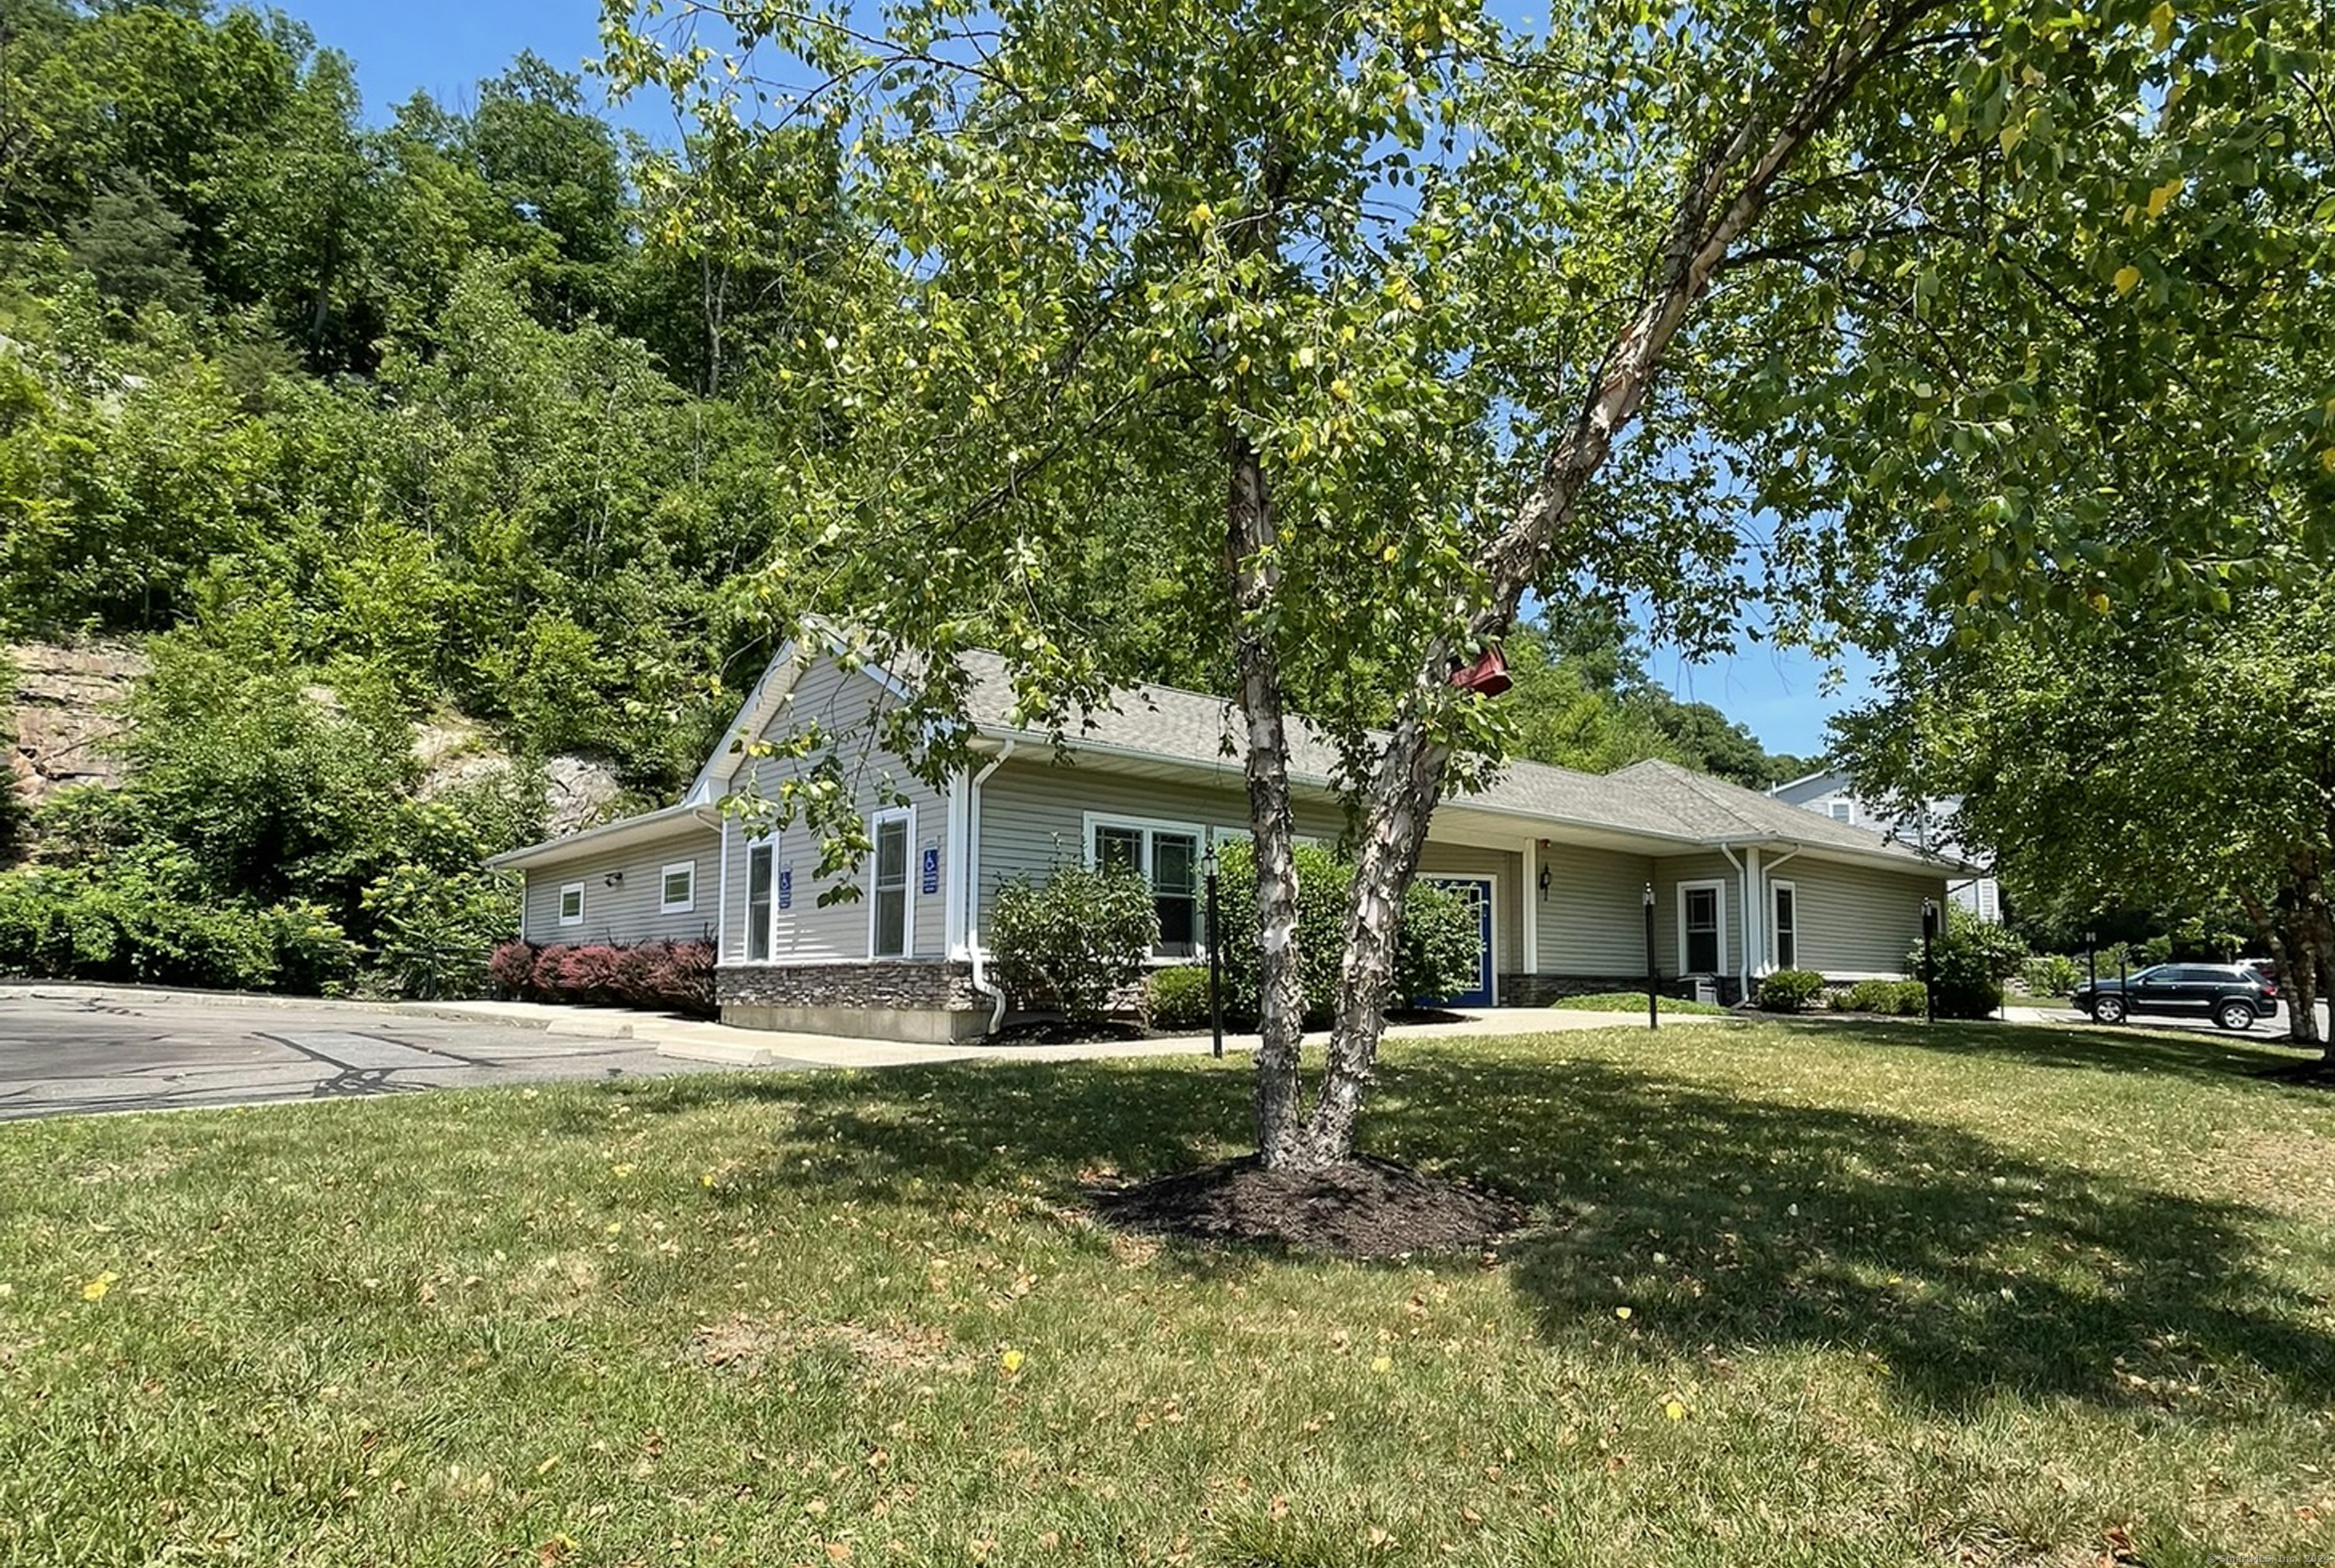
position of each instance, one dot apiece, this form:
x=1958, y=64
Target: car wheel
x=2235, y=1014
x=2108, y=1009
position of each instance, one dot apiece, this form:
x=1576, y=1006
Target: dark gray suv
x=2231, y=994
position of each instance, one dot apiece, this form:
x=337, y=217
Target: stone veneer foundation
x=928, y=1001
x=1539, y=990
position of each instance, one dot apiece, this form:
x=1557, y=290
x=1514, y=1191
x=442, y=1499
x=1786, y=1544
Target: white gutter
x=973, y=889
x=608, y=835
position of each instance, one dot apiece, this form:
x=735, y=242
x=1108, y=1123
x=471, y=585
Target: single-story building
x=1560, y=863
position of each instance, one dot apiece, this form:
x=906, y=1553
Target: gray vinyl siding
x=841, y=703
x=1594, y=920
x=1671, y=870
x=628, y=912
x=1033, y=814
x=1854, y=921
x=1506, y=866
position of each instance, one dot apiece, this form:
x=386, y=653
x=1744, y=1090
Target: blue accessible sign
x=786, y=887
x=932, y=868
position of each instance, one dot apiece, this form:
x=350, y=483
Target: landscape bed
x=1851, y=1295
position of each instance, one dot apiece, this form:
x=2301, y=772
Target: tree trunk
x=1401, y=802
x=1249, y=536
x=1724, y=194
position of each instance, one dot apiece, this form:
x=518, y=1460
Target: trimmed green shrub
x=1790, y=990
x=1076, y=940
x=1440, y=943
x=1886, y=998
x=1435, y=948
x=1968, y=963
x=1321, y=882
x=2051, y=975
x=1176, y=998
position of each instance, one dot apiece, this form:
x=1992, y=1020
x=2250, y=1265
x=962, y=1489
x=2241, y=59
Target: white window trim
x=1204, y=838
x=877, y=822
x=768, y=843
x=1718, y=886
x=560, y=908
x=677, y=905
x=1774, y=952
x=1220, y=837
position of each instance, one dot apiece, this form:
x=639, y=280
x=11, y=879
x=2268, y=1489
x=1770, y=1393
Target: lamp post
x=2092, y=963
x=1930, y=960
x=1215, y=962
x=1653, y=974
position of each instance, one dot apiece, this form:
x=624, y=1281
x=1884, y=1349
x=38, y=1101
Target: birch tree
x=1396, y=316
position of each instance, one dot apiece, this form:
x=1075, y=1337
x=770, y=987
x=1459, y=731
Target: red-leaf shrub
x=677, y=977
x=511, y=969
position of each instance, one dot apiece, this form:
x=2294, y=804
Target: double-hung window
x=759, y=880
x=1699, y=926
x=888, y=937
x=1168, y=855
x=677, y=888
x=1785, y=899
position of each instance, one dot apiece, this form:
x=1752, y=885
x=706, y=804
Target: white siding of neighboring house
x=841, y=702
x=627, y=912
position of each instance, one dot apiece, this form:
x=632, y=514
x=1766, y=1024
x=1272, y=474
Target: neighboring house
x=1559, y=864
x=1830, y=791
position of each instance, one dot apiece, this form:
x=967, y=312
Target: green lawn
x=1634, y=1002
x=1851, y=1295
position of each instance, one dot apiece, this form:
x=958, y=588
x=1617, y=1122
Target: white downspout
x=972, y=890
x=1742, y=937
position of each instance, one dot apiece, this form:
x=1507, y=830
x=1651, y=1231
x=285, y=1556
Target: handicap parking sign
x=786, y=887
x=932, y=868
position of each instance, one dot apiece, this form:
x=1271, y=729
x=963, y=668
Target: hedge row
x=676, y=976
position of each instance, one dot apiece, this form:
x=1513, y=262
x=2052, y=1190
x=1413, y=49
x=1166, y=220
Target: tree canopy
x=1465, y=315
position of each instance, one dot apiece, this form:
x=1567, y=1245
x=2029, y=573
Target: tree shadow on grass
x=1965, y=1269
x=2217, y=1058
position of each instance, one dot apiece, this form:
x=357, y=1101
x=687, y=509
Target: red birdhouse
x=1487, y=676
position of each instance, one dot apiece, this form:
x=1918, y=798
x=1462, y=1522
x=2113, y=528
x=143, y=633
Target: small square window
x=571, y=905
x=677, y=891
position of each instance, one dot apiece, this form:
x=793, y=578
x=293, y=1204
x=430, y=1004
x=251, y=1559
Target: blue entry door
x=1478, y=892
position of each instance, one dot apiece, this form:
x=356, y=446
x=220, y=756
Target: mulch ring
x=1360, y=1208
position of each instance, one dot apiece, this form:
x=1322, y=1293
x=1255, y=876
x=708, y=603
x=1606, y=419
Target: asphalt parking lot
x=63, y=1049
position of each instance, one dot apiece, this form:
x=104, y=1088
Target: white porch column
x=953, y=880
x=1755, y=924
x=1531, y=902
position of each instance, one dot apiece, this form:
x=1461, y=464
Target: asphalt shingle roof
x=1656, y=800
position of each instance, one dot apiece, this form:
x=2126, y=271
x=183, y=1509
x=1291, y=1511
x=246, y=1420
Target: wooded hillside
x=453, y=418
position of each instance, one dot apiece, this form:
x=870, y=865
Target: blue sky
x=443, y=47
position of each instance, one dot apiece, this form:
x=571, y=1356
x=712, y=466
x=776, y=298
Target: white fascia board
x=674, y=821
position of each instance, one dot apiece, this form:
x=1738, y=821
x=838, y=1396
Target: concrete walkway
x=693, y=1040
